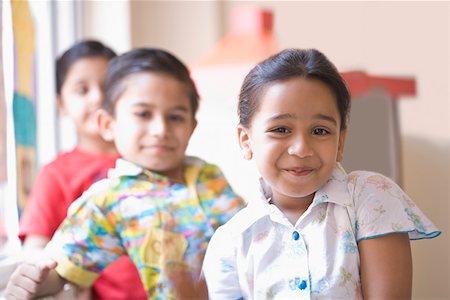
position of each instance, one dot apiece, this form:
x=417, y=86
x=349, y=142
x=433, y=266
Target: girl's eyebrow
x=291, y=116
x=326, y=118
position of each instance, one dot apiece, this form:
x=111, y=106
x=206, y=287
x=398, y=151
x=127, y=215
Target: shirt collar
x=127, y=168
x=335, y=190
x=124, y=168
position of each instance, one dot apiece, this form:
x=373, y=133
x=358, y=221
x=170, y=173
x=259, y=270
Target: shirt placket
x=295, y=250
x=298, y=281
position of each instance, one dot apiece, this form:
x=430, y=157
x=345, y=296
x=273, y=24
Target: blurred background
x=394, y=55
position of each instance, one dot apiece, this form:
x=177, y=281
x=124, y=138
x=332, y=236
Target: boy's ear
x=194, y=125
x=244, y=142
x=60, y=105
x=105, y=123
x=340, y=152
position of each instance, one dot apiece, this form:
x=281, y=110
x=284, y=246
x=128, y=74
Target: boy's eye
x=143, y=114
x=320, y=131
x=176, y=118
x=81, y=90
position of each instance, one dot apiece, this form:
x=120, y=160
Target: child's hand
x=27, y=279
x=186, y=288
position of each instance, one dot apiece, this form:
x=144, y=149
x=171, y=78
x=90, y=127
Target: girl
x=157, y=206
x=80, y=74
x=318, y=233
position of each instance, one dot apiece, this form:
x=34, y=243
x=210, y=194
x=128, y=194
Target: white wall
x=108, y=21
x=8, y=189
x=187, y=28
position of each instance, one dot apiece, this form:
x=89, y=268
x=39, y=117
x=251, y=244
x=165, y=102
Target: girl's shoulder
x=362, y=175
x=363, y=182
x=381, y=207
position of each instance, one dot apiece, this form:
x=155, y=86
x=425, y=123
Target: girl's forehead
x=298, y=92
x=296, y=98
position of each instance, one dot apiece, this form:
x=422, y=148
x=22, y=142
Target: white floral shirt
x=259, y=254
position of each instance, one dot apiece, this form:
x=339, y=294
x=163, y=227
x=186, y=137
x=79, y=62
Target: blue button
x=303, y=285
x=295, y=235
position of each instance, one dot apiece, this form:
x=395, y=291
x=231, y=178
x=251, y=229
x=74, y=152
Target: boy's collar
x=124, y=168
x=127, y=168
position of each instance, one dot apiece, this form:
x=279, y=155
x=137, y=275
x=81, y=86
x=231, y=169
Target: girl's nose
x=300, y=147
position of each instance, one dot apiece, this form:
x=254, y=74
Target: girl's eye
x=320, y=131
x=280, y=130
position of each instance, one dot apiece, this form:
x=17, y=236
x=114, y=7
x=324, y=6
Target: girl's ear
x=244, y=142
x=105, y=123
x=340, y=152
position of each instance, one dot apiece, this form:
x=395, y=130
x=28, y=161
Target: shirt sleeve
x=88, y=240
x=219, y=268
x=218, y=199
x=382, y=207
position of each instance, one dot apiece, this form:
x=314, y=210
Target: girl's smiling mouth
x=300, y=171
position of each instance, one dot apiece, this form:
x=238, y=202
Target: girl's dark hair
x=145, y=60
x=82, y=49
x=304, y=63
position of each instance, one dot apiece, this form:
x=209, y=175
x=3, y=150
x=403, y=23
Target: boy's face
x=153, y=123
x=295, y=138
x=82, y=94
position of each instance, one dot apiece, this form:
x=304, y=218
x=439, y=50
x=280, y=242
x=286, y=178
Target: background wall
x=382, y=38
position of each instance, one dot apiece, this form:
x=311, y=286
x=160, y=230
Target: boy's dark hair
x=289, y=63
x=82, y=49
x=143, y=60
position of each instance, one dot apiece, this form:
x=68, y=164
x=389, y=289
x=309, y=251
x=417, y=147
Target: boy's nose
x=300, y=147
x=96, y=97
x=158, y=126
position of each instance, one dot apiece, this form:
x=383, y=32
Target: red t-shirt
x=60, y=183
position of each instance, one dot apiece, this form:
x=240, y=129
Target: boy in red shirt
x=80, y=74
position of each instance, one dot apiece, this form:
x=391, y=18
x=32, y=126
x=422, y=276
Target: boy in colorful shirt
x=157, y=206
x=160, y=224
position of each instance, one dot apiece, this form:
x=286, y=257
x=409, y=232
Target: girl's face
x=153, y=123
x=82, y=94
x=295, y=138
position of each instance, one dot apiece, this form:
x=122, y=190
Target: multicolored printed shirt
x=161, y=225
x=260, y=255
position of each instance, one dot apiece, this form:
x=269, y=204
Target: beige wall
x=382, y=38
x=184, y=27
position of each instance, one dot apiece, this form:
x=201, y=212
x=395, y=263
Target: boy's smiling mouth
x=159, y=148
